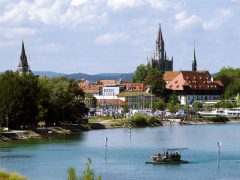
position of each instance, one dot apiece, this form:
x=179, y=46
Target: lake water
x=125, y=156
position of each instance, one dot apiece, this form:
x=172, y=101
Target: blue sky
x=94, y=36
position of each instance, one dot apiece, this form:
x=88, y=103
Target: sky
x=115, y=36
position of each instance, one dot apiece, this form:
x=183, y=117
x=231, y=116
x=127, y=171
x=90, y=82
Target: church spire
x=160, y=50
x=194, y=63
x=23, y=64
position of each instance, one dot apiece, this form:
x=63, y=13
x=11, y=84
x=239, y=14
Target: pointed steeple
x=23, y=64
x=160, y=45
x=194, y=63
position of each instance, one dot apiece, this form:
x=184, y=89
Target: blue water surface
x=126, y=154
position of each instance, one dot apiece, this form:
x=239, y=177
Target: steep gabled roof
x=170, y=75
x=199, y=80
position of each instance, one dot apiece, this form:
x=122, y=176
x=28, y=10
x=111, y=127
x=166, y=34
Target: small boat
x=168, y=156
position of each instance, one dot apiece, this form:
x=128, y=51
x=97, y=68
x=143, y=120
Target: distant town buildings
x=160, y=59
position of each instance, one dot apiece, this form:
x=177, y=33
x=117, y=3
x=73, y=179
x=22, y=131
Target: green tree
x=140, y=74
x=160, y=105
x=197, y=105
x=19, y=94
x=155, y=80
x=150, y=76
x=173, y=98
x=65, y=100
x=232, y=89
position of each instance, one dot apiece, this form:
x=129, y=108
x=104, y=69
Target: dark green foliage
x=160, y=105
x=63, y=99
x=173, y=98
x=152, y=120
x=230, y=77
x=232, y=89
x=150, y=76
x=26, y=100
x=140, y=74
x=219, y=119
x=197, y=105
x=138, y=120
x=19, y=94
x=224, y=104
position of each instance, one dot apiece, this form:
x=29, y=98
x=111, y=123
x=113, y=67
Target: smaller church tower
x=23, y=66
x=194, y=63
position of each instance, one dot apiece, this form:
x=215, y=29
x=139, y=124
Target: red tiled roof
x=170, y=75
x=200, y=80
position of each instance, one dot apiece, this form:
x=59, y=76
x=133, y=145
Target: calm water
x=125, y=156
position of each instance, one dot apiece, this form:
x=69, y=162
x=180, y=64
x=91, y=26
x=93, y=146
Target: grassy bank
x=4, y=175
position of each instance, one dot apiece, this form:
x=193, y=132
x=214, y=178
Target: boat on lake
x=168, y=156
x=230, y=113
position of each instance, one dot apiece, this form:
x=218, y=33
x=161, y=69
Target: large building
x=160, y=59
x=23, y=66
x=191, y=86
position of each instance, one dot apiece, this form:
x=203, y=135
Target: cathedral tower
x=160, y=59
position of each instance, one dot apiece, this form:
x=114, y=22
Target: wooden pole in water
x=219, y=151
x=106, y=139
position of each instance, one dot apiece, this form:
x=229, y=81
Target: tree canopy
x=26, y=100
x=150, y=76
x=231, y=80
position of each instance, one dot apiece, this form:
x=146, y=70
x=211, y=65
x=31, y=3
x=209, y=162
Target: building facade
x=191, y=86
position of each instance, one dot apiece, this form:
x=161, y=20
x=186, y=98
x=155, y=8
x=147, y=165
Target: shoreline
x=16, y=135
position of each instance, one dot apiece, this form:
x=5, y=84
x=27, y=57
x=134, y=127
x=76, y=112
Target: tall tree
x=19, y=94
x=140, y=74
x=150, y=76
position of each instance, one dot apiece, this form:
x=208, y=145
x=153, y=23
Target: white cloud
x=53, y=12
x=111, y=38
x=182, y=20
x=51, y=47
x=12, y=33
x=78, y=2
x=119, y=4
x=222, y=16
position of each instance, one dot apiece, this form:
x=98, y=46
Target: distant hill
x=48, y=73
x=96, y=77
x=90, y=78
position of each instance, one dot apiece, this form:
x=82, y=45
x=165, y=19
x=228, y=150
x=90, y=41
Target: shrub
x=138, y=120
x=152, y=120
x=220, y=119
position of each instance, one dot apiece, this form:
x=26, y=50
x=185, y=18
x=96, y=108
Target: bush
x=137, y=120
x=152, y=120
x=220, y=119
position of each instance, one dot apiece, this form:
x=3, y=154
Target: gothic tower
x=23, y=66
x=160, y=59
x=194, y=63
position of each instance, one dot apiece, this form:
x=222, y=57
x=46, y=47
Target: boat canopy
x=173, y=149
